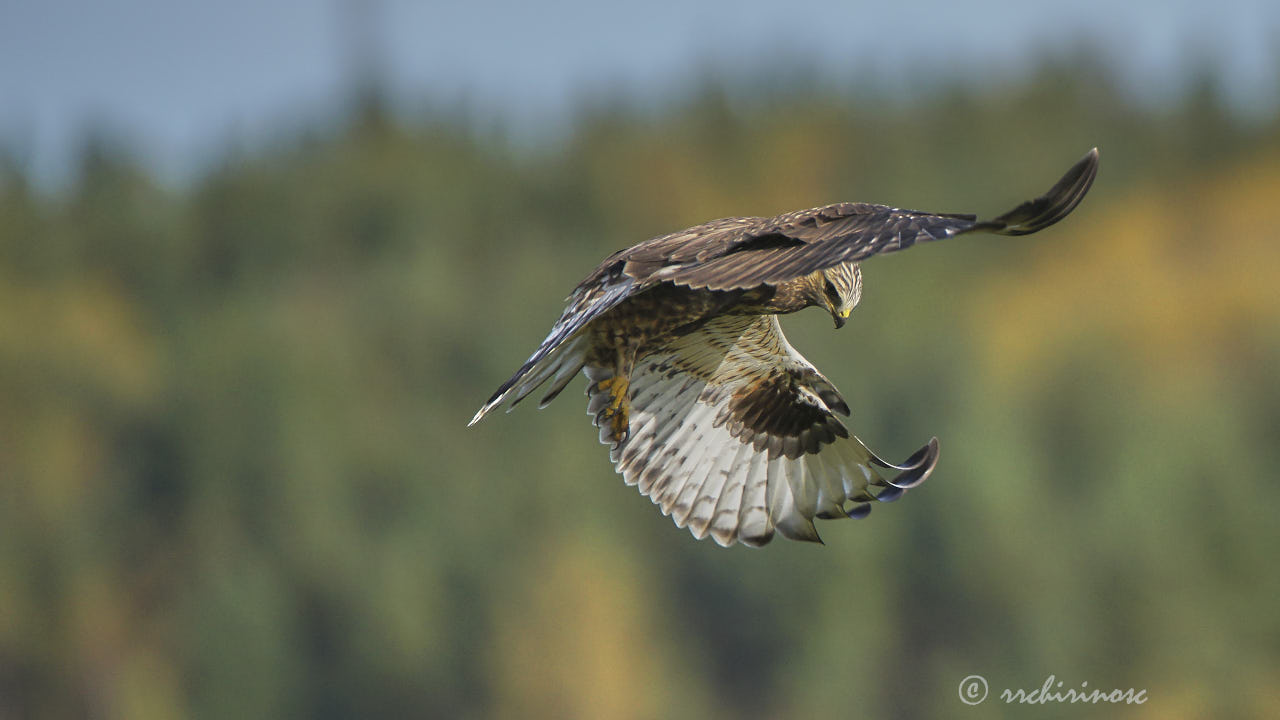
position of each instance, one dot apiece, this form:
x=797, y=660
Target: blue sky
x=179, y=79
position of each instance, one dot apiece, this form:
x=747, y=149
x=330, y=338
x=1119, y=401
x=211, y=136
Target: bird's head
x=838, y=289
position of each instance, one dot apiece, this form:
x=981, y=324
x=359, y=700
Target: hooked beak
x=840, y=318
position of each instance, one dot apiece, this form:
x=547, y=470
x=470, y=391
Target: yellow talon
x=619, y=425
x=618, y=393
x=617, y=388
x=617, y=410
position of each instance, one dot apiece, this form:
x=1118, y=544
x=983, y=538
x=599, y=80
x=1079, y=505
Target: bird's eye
x=831, y=290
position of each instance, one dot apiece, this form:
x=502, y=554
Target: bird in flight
x=703, y=403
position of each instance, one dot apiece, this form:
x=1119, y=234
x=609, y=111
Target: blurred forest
x=238, y=481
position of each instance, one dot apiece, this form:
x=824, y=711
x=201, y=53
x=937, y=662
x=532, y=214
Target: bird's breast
x=656, y=316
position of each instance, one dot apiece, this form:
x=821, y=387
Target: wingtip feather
x=914, y=470
x=1038, y=214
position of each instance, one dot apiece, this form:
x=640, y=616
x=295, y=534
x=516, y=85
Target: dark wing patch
x=779, y=413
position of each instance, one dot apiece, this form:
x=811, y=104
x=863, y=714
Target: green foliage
x=237, y=480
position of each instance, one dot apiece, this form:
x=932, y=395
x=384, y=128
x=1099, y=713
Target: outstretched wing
x=738, y=253
x=742, y=253
x=734, y=434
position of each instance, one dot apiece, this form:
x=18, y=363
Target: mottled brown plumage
x=704, y=404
